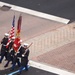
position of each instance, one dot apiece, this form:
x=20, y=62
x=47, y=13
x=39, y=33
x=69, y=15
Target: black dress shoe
x=19, y=73
x=11, y=69
x=0, y=62
x=26, y=69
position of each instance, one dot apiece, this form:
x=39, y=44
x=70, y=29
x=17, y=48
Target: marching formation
x=13, y=50
x=13, y=56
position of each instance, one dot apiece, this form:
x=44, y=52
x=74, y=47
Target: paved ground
x=32, y=27
x=60, y=52
x=58, y=48
x=62, y=57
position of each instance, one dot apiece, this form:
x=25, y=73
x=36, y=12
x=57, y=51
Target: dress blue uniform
x=4, y=50
x=10, y=52
x=24, y=59
x=16, y=57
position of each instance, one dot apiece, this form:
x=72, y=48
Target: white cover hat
x=25, y=44
x=6, y=34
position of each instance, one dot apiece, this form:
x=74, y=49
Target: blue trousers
x=14, y=64
x=1, y=58
x=22, y=67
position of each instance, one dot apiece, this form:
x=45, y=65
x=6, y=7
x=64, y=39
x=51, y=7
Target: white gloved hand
x=22, y=55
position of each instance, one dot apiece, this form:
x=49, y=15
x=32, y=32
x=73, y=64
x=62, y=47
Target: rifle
x=29, y=45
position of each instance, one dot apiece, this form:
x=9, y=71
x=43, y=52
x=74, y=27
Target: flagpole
x=17, y=39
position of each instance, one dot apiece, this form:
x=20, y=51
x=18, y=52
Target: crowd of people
x=20, y=56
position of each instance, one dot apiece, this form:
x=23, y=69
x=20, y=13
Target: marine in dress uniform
x=24, y=58
x=16, y=57
x=4, y=50
x=10, y=52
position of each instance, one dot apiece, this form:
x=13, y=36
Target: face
x=25, y=47
x=6, y=36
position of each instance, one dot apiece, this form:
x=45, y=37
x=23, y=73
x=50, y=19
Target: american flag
x=11, y=33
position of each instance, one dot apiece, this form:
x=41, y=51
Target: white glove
x=22, y=55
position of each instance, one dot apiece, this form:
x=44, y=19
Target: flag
x=16, y=44
x=11, y=32
x=17, y=40
x=19, y=26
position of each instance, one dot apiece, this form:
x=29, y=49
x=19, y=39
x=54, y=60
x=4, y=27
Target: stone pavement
x=31, y=28
x=55, y=48
x=52, y=40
